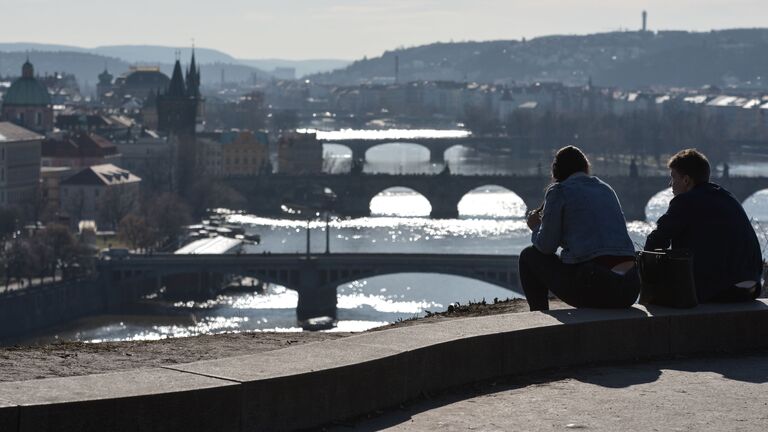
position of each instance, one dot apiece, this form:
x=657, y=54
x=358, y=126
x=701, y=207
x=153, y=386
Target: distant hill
x=162, y=54
x=85, y=66
x=626, y=59
x=215, y=60
x=303, y=67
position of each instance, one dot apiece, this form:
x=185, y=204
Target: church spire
x=176, y=87
x=27, y=70
x=193, y=77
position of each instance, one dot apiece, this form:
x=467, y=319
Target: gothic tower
x=176, y=110
x=177, y=115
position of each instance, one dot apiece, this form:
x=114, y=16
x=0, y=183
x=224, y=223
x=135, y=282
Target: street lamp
x=312, y=201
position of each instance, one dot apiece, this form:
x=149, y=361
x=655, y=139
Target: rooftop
x=215, y=245
x=104, y=175
x=9, y=132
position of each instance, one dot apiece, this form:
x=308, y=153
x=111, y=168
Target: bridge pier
x=315, y=298
x=358, y=154
x=447, y=212
x=437, y=156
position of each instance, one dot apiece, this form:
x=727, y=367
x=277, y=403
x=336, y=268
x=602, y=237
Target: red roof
x=78, y=145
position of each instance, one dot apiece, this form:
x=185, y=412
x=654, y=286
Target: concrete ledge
x=313, y=384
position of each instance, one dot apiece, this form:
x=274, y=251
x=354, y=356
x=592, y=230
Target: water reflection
x=399, y=201
x=491, y=223
x=491, y=202
x=658, y=205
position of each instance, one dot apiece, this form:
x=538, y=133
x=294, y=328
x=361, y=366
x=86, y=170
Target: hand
x=534, y=219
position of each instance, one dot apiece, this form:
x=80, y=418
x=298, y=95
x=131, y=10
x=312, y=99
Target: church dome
x=27, y=90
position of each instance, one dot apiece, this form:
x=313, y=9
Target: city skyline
x=348, y=29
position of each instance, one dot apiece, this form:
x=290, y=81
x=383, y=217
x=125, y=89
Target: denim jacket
x=583, y=216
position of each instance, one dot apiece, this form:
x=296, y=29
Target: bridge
x=436, y=146
x=314, y=277
x=266, y=194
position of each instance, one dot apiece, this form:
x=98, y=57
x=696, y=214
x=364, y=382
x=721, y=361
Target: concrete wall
x=310, y=385
x=30, y=309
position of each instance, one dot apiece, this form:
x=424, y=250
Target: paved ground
x=711, y=394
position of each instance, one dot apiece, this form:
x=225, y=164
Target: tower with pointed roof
x=105, y=84
x=178, y=110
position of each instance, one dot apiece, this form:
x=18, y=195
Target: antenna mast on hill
x=645, y=21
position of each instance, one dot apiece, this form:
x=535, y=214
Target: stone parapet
x=310, y=385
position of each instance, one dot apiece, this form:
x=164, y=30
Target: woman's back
x=583, y=216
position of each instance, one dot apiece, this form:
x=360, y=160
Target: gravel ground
x=19, y=363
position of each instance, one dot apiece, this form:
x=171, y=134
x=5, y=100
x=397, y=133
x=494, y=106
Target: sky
x=349, y=29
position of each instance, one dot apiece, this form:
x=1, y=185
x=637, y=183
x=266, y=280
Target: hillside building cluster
x=167, y=134
x=71, y=157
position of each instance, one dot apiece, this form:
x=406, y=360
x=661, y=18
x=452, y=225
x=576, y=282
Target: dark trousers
x=737, y=295
x=580, y=285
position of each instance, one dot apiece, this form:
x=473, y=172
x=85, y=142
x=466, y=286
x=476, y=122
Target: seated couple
x=596, y=268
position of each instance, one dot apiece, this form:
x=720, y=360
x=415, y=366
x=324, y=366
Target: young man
x=710, y=222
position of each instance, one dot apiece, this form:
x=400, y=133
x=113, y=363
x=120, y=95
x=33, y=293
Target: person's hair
x=692, y=163
x=569, y=160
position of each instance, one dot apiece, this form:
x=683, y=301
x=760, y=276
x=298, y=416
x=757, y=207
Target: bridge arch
x=657, y=205
x=756, y=205
x=499, y=284
x=337, y=158
x=400, y=201
x=398, y=155
x=491, y=201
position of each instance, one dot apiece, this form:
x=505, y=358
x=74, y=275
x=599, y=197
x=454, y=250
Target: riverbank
x=65, y=359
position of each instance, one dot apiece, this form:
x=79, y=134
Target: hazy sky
x=348, y=29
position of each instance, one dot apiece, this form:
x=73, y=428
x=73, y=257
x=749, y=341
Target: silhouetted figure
x=581, y=215
x=711, y=223
x=633, y=173
x=726, y=170
x=446, y=170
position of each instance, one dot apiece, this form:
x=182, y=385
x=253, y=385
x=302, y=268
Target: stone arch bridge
x=266, y=194
x=314, y=277
x=436, y=146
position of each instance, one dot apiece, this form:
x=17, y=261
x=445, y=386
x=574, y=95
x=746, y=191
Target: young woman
x=582, y=215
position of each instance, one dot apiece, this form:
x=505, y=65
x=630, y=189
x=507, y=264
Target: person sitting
x=582, y=215
x=709, y=221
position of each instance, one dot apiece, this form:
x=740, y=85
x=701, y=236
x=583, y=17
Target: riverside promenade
x=318, y=383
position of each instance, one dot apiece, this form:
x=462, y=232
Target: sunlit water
x=491, y=222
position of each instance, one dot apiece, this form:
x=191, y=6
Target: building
x=78, y=150
x=138, y=83
x=179, y=106
x=299, y=153
x=27, y=102
x=149, y=156
x=234, y=153
x=50, y=189
x=179, y=113
x=105, y=88
x=19, y=165
x=104, y=193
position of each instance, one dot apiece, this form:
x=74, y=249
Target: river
x=490, y=222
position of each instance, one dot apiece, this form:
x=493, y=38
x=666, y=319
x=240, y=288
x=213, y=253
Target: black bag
x=666, y=278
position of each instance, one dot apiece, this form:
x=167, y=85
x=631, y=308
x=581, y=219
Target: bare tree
x=134, y=230
x=114, y=205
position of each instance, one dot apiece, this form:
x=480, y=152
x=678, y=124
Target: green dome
x=27, y=91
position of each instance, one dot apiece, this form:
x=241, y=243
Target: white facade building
x=19, y=165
